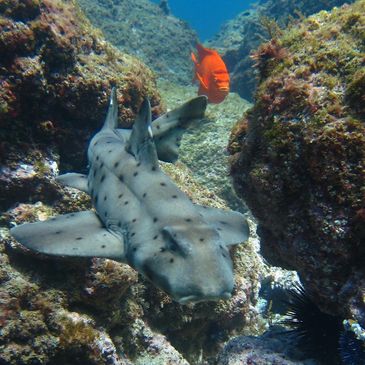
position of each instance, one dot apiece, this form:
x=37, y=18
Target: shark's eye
x=174, y=243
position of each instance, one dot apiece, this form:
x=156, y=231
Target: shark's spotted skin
x=141, y=217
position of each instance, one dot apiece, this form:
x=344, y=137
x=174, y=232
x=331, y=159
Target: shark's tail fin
x=169, y=128
x=111, y=120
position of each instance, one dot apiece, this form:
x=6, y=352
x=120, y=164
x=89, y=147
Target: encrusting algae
x=298, y=155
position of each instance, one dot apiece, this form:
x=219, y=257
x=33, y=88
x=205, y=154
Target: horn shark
x=141, y=217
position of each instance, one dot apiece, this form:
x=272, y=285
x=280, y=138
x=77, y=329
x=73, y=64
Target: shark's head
x=191, y=264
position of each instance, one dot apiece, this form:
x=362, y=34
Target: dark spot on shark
x=155, y=220
x=95, y=143
x=119, y=224
x=158, y=126
x=162, y=249
x=133, y=234
x=153, y=168
x=108, y=142
x=110, y=151
x=171, y=261
x=94, y=174
x=102, y=178
x=121, y=178
x=105, y=214
x=162, y=184
x=223, y=222
x=116, y=164
x=155, y=238
x=188, y=220
x=144, y=195
x=120, y=195
x=97, y=158
x=201, y=239
x=75, y=248
x=134, y=220
x=102, y=165
x=219, y=229
x=53, y=219
x=221, y=247
x=126, y=202
x=103, y=246
x=79, y=238
x=96, y=198
x=224, y=255
x=135, y=174
x=167, y=115
x=134, y=249
x=105, y=198
x=58, y=232
x=72, y=214
x=138, y=164
x=174, y=196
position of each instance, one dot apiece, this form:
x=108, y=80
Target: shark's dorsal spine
x=111, y=120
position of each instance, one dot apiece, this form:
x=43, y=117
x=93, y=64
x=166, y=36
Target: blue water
x=206, y=16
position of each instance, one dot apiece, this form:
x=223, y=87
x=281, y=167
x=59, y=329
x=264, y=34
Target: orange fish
x=212, y=74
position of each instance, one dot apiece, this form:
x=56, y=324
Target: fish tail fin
x=111, y=120
x=170, y=127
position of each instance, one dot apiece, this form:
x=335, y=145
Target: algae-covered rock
x=298, y=156
x=56, y=72
x=240, y=36
x=143, y=29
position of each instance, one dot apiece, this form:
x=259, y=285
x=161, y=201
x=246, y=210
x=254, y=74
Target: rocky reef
x=147, y=31
x=243, y=34
x=298, y=156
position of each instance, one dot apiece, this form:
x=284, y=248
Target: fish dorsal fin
x=141, y=144
x=203, y=51
x=169, y=128
x=79, y=234
x=232, y=226
x=193, y=57
x=111, y=120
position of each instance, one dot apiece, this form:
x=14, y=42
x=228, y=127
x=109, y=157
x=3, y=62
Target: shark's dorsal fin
x=169, y=128
x=76, y=234
x=141, y=144
x=232, y=226
x=111, y=120
x=74, y=180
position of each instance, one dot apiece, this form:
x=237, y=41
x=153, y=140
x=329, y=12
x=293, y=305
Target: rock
x=146, y=30
x=56, y=72
x=240, y=36
x=271, y=348
x=298, y=156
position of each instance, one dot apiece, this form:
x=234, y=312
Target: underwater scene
x=182, y=182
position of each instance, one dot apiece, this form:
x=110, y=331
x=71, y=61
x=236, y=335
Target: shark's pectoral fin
x=75, y=234
x=74, y=180
x=231, y=226
x=169, y=128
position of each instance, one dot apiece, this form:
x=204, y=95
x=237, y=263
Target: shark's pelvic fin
x=74, y=180
x=75, y=234
x=231, y=226
x=141, y=144
x=111, y=120
x=169, y=128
